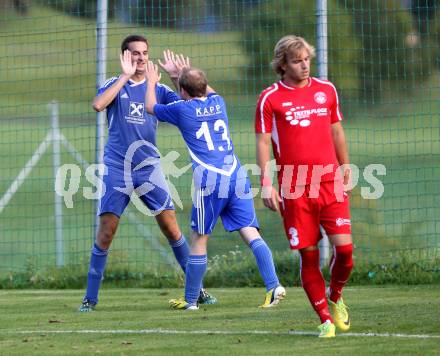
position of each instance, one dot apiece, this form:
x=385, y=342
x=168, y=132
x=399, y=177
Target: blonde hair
x=285, y=46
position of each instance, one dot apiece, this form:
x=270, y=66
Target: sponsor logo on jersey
x=135, y=113
x=342, y=222
x=136, y=109
x=320, y=97
x=287, y=103
x=298, y=115
x=208, y=111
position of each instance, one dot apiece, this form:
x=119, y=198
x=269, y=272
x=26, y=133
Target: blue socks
x=181, y=251
x=265, y=263
x=98, y=261
x=195, y=270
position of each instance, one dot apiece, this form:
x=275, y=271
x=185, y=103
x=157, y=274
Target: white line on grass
x=214, y=332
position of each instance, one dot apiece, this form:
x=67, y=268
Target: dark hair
x=132, y=38
x=194, y=82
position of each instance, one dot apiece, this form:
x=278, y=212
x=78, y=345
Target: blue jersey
x=130, y=124
x=205, y=129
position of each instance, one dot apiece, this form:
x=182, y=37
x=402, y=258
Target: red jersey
x=300, y=120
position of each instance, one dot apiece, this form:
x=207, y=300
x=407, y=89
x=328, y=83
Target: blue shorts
x=149, y=184
x=232, y=202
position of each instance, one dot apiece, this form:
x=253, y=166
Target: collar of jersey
x=212, y=168
x=134, y=84
x=200, y=99
x=293, y=88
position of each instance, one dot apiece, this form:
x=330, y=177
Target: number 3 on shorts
x=294, y=239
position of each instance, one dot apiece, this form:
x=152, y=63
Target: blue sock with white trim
x=263, y=255
x=181, y=251
x=195, y=270
x=98, y=260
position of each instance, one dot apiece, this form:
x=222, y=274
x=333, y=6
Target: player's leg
x=195, y=271
x=108, y=224
x=239, y=214
x=159, y=201
x=340, y=270
x=196, y=267
x=168, y=225
x=275, y=292
x=263, y=256
x=301, y=223
x=341, y=264
x=335, y=218
x=313, y=283
x=111, y=207
x=202, y=222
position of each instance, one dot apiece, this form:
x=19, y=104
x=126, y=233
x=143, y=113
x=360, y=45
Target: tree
x=20, y=6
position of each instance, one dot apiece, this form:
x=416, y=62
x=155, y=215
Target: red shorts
x=303, y=215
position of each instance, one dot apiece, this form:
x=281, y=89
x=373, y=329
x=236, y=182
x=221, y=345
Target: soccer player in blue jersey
x=132, y=161
x=222, y=189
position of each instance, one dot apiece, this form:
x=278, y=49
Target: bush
x=388, y=58
x=80, y=8
x=145, y=12
x=238, y=269
x=427, y=25
x=234, y=269
x=271, y=20
x=368, y=47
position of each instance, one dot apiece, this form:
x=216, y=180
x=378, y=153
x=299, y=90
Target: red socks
x=314, y=284
x=340, y=269
x=313, y=281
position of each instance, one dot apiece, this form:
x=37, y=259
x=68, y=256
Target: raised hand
x=152, y=73
x=127, y=65
x=168, y=64
x=173, y=64
x=181, y=62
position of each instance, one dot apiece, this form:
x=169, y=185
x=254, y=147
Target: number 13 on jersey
x=203, y=131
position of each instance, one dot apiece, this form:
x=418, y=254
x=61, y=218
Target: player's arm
x=271, y=198
x=341, y=149
x=153, y=77
x=209, y=90
x=163, y=112
x=100, y=102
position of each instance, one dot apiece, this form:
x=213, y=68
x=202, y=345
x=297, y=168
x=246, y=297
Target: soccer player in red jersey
x=301, y=117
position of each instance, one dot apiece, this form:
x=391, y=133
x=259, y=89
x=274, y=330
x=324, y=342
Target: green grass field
x=387, y=320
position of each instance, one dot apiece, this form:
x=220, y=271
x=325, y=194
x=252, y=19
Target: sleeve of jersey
x=165, y=95
x=167, y=113
x=108, y=83
x=336, y=109
x=263, y=115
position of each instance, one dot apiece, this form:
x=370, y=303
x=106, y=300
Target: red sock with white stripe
x=340, y=269
x=314, y=284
